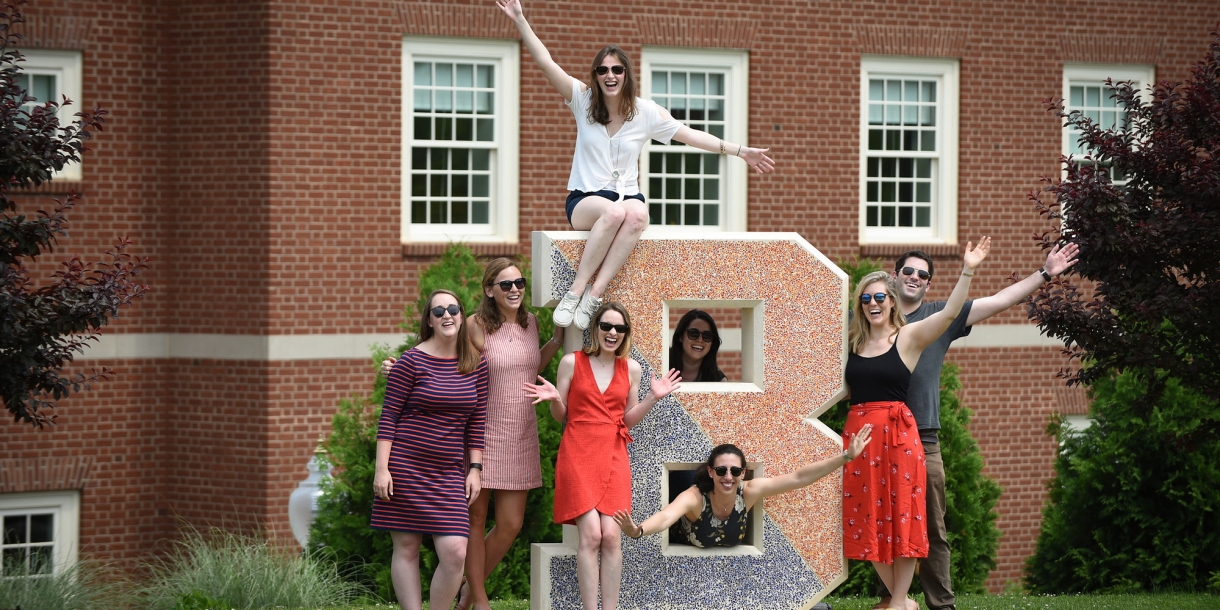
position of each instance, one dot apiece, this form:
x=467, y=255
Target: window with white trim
x=38, y=532
x=707, y=90
x=908, y=143
x=460, y=134
x=1085, y=90
x=48, y=76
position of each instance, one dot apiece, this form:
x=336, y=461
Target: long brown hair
x=598, y=112
x=489, y=314
x=624, y=345
x=467, y=356
x=857, y=333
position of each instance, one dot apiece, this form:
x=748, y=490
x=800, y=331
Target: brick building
x=289, y=167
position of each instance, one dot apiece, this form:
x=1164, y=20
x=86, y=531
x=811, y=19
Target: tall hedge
x=970, y=495
x=1135, y=502
x=341, y=530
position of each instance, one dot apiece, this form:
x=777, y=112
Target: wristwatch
x=1045, y=275
x=474, y=465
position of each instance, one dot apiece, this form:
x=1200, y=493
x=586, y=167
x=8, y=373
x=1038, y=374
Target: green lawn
x=992, y=602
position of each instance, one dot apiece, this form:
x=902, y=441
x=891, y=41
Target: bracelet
x=639, y=535
x=1045, y=274
x=722, y=147
x=964, y=274
x=474, y=465
x=739, y=150
x=846, y=458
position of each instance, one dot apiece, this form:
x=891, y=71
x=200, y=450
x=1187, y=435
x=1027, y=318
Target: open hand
x=625, y=523
x=1061, y=259
x=512, y=8
x=661, y=387
x=758, y=159
x=975, y=255
x=859, y=442
x=539, y=393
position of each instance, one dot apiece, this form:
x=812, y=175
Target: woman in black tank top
x=883, y=495
x=713, y=511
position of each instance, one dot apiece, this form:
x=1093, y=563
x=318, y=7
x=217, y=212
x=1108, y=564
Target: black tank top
x=883, y=378
x=708, y=530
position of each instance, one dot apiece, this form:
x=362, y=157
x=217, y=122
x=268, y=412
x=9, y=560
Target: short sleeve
x=661, y=126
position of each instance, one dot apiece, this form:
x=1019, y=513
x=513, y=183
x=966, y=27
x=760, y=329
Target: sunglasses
x=439, y=312
x=507, y=285
x=694, y=334
x=736, y=470
x=606, y=326
x=868, y=298
x=923, y=275
x=602, y=70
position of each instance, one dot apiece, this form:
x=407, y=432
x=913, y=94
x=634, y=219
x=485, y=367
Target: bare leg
x=612, y=562
x=451, y=555
x=510, y=514
x=634, y=222
x=897, y=578
x=474, y=551
x=602, y=218
x=589, y=533
x=404, y=570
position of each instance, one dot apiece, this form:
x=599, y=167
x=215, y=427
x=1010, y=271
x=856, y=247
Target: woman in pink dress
x=507, y=335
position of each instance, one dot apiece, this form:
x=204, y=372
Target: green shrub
x=970, y=496
x=1133, y=505
x=342, y=526
x=88, y=585
x=229, y=570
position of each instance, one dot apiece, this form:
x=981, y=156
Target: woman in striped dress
x=429, y=449
x=598, y=399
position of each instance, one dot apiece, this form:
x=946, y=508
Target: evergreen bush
x=1133, y=505
x=341, y=529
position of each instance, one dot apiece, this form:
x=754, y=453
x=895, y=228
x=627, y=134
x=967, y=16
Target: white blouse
x=602, y=162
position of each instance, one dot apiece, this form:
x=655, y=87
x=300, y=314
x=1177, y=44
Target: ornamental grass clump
x=242, y=572
x=87, y=585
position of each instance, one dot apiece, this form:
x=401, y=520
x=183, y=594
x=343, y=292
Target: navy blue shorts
x=575, y=196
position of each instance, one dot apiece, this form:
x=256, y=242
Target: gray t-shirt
x=923, y=395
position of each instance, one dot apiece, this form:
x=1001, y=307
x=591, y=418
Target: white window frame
x=736, y=64
x=66, y=66
x=65, y=505
x=503, y=210
x=946, y=72
x=1093, y=74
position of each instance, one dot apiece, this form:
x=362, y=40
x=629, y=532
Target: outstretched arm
x=1058, y=261
x=757, y=489
x=559, y=79
x=918, y=335
x=686, y=502
x=754, y=157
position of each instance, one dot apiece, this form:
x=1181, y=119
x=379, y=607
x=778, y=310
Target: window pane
x=423, y=73
x=697, y=82
x=459, y=213
x=465, y=130
x=444, y=129
x=910, y=139
x=15, y=529
x=480, y=186
x=465, y=75
x=906, y=192
x=486, y=130
x=465, y=102
x=423, y=101
x=871, y=216
x=487, y=76
x=1092, y=96
x=905, y=216
x=928, y=141
x=439, y=213
x=41, y=561
x=444, y=75
x=484, y=102
x=439, y=186
x=460, y=159
x=443, y=101
x=888, y=192
x=654, y=214
x=906, y=168
x=893, y=139
x=874, y=139
x=876, y=90
x=923, y=216
x=13, y=561
x=887, y=216
x=419, y=185
x=691, y=216
x=875, y=114
x=439, y=158
x=873, y=189
x=1076, y=96
x=479, y=212
x=419, y=158
x=923, y=192
x=423, y=128
x=660, y=83
x=893, y=90
x=482, y=159
x=923, y=168
x=715, y=84
x=460, y=186
x=711, y=189
x=673, y=214
x=711, y=215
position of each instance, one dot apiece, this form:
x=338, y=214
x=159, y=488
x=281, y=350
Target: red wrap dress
x=592, y=470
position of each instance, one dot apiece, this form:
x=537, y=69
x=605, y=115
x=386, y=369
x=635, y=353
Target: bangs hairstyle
x=467, y=356
x=703, y=480
x=598, y=112
x=624, y=344
x=707, y=368
x=858, y=331
x=489, y=313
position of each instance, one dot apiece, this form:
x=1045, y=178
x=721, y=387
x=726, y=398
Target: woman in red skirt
x=596, y=397
x=883, y=494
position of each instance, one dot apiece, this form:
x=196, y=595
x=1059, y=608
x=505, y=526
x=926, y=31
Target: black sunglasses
x=693, y=334
x=439, y=312
x=923, y=275
x=606, y=326
x=602, y=70
x=868, y=298
x=736, y=470
x=507, y=285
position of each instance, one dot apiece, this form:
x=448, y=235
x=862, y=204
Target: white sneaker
x=584, y=312
x=566, y=309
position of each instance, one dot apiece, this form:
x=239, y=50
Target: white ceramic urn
x=303, y=503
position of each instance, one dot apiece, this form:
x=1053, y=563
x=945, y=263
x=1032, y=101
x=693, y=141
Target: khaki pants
x=934, y=569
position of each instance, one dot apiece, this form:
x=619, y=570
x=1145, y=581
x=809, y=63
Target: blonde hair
x=624, y=345
x=858, y=330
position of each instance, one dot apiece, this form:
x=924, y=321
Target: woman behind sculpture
x=883, y=494
x=429, y=445
x=612, y=126
x=596, y=397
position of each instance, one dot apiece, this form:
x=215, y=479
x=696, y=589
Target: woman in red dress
x=883, y=494
x=596, y=398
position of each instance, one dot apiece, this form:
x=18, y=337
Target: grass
x=87, y=585
x=1172, y=601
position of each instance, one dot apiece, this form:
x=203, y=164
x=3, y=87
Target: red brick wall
x=253, y=152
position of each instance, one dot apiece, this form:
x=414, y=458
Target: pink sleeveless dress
x=510, y=458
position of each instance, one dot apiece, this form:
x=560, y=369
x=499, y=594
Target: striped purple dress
x=433, y=415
